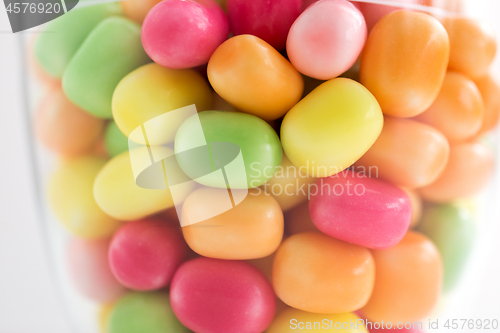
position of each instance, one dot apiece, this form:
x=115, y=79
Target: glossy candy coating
x=289, y=185
x=117, y=193
x=219, y=296
x=473, y=45
x=111, y=51
x=458, y=110
x=469, y=168
x=145, y=254
x=251, y=75
x=293, y=320
x=326, y=39
x=490, y=91
x=144, y=313
x=408, y=281
x=259, y=144
x=360, y=210
x=88, y=266
x=115, y=141
x=315, y=132
x=317, y=273
x=137, y=10
x=63, y=127
x=404, y=62
x=152, y=90
x=72, y=201
x=194, y=29
x=252, y=229
x=451, y=228
x=407, y=153
x=55, y=49
x=268, y=20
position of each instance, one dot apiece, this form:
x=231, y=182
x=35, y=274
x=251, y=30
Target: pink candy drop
x=326, y=39
x=145, y=254
x=184, y=33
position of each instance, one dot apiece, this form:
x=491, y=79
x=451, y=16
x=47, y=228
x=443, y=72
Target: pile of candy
x=348, y=116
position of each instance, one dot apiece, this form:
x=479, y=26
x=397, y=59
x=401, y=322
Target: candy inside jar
x=249, y=166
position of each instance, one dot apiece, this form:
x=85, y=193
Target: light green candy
x=116, y=142
x=62, y=37
x=451, y=228
x=111, y=51
x=144, y=313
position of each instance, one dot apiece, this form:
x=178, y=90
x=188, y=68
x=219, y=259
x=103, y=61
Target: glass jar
x=453, y=205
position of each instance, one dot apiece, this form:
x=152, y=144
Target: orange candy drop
x=469, y=168
x=408, y=281
x=404, y=62
x=317, y=273
x=65, y=128
x=458, y=111
x=473, y=45
x=407, y=153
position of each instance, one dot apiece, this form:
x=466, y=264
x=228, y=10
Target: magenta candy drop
x=184, y=33
x=360, y=210
x=268, y=20
x=144, y=254
x=222, y=296
x=89, y=270
x=326, y=39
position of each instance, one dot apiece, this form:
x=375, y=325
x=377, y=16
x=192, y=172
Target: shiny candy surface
x=360, y=210
x=117, y=193
x=144, y=313
x=251, y=75
x=152, y=90
x=194, y=30
x=458, y=110
x=467, y=172
x=111, y=51
x=451, y=228
x=293, y=320
x=260, y=147
x=89, y=269
x=219, y=296
x=404, y=62
x=407, y=153
x=252, y=229
x=72, y=201
x=54, y=49
x=63, y=127
x=268, y=20
x=408, y=281
x=144, y=254
x=473, y=45
x=317, y=273
x=326, y=39
x=315, y=131
x=490, y=91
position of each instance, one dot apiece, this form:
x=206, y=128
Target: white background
x=28, y=299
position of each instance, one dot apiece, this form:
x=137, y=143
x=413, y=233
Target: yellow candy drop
x=72, y=201
x=152, y=90
x=331, y=128
x=117, y=193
